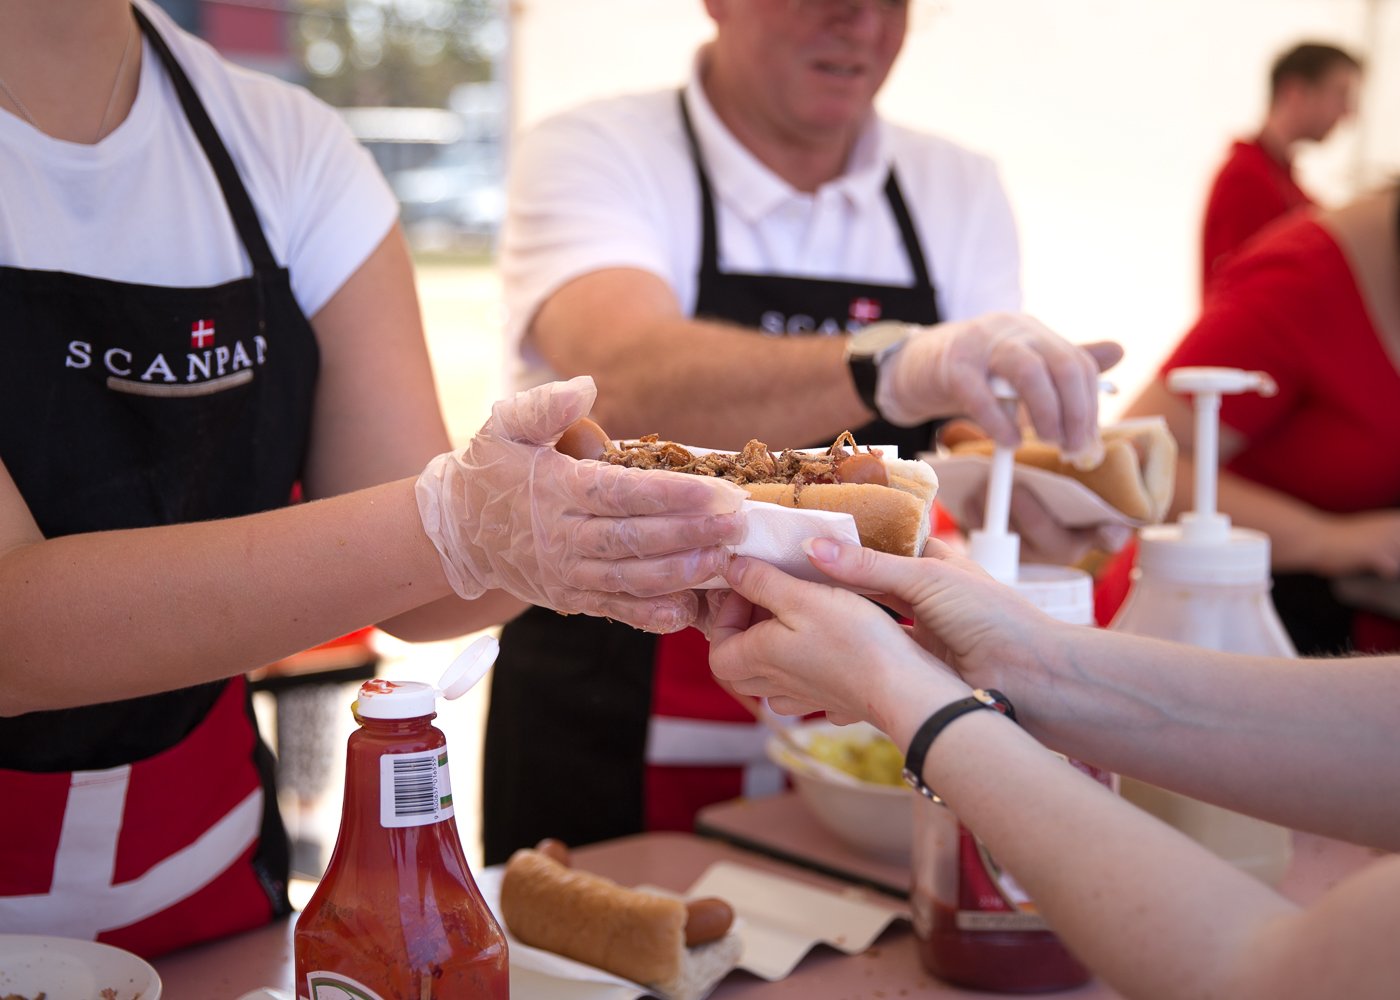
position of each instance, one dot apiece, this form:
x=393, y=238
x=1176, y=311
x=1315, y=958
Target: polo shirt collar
x=750, y=189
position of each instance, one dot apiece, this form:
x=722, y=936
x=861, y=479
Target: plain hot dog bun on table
x=890, y=498
x=1136, y=476
x=631, y=933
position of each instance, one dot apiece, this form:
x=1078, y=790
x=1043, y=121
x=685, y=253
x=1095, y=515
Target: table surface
x=782, y=827
x=227, y=969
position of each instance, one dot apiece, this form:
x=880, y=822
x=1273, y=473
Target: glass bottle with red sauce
x=397, y=915
x=976, y=926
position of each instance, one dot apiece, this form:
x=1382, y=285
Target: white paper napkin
x=776, y=534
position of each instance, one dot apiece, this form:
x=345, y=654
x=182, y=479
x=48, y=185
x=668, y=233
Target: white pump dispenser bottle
x=1203, y=582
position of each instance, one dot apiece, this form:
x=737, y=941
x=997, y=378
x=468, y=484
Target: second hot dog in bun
x=889, y=498
x=677, y=948
x=1136, y=476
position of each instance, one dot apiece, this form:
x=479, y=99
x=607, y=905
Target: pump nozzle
x=995, y=547
x=1205, y=524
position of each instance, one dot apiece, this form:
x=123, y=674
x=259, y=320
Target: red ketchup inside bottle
x=976, y=926
x=397, y=915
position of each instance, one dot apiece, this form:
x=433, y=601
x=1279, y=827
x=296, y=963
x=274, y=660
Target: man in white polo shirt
x=715, y=257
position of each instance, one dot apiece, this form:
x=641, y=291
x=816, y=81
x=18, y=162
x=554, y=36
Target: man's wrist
x=867, y=350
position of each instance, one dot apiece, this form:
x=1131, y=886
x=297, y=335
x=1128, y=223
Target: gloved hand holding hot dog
x=509, y=512
x=946, y=370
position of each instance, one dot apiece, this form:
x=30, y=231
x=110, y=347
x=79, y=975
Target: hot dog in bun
x=1136, y=475
x=889, y=498
x=676, y=948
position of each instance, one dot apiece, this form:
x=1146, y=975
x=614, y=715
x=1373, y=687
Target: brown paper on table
x=780, y=920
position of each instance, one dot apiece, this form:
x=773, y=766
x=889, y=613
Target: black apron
x=131, y=405
x=567, y=727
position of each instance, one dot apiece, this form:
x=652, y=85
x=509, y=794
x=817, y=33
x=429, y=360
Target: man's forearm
x=694, y=381
x=717, y=385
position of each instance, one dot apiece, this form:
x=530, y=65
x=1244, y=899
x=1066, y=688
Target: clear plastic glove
x=510, y=513
x=945, y=370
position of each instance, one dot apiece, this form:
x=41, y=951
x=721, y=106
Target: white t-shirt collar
x=750, y=189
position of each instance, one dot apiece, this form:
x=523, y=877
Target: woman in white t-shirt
x=206, y=300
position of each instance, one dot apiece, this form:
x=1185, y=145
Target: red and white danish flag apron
x=596, y=730
x=149, y=823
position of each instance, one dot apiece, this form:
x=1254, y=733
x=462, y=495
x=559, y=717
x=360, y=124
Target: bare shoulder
x=1365, y=231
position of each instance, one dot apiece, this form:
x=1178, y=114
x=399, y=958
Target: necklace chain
x=17, y=103
x=111, y=99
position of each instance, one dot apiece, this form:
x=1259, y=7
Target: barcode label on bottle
x=414, y=789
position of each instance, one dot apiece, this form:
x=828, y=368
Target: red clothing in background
x=1331, y=436
x=1251, y=190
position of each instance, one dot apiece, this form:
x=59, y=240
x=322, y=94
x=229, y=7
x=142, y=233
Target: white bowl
x=65, y=969
x=875, y=820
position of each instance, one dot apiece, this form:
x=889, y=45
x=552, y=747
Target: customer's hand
x=809, y=647
x=945, y=370
x=984, y=630
x=510, y=513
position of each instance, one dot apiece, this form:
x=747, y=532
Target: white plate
x=962, y=488
x=65, y=969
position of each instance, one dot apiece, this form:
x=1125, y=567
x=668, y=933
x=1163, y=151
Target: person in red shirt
x=1315, y=302
x=1312, y=88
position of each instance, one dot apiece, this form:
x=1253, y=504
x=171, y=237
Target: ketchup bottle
x=976, y=926
x=397, y=915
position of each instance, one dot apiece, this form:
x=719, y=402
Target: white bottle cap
x=381, y=699
x=1062, y=592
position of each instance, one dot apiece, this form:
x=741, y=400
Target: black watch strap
x=937, y=722
x=865, y=372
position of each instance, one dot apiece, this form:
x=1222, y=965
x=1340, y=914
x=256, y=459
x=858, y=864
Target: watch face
x=877, y=340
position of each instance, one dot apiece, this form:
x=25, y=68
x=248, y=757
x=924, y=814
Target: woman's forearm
x=1150, y=911
x=1154, y=914
x=1268, y=727
x=111, y=615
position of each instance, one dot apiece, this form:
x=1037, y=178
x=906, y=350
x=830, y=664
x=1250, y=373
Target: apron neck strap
x=709, y=246
x=240, y=205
